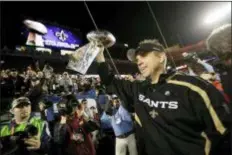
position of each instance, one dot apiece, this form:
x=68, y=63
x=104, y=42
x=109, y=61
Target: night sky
x=130, y=22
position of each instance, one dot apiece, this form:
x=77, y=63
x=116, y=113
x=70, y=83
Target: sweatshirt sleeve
x=126, y=90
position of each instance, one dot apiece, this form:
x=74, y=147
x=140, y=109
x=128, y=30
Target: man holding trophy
x=178, y=114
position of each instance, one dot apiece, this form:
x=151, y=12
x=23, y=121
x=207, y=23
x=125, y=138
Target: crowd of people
x=158, y=111
x=67, y=103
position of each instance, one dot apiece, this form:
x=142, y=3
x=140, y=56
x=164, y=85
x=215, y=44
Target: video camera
x=29, y=131
x=65, y=107
x=14, y=143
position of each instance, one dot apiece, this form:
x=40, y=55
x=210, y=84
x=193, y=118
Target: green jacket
x=10, y=128
x=38, y=123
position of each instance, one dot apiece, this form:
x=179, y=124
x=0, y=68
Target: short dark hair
x=84, y=100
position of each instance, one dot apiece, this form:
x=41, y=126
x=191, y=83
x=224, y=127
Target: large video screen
x=52, y=37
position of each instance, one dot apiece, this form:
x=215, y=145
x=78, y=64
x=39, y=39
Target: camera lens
x=31, y=130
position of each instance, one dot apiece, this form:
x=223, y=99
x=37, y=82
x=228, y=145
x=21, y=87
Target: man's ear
x=162, y=57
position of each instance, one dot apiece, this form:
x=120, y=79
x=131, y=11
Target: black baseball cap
x=144, y=48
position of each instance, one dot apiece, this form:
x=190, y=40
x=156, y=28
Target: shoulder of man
x=4, y=128
x=196, y=84
x=187, y=80
x=37, y=121
x=4, y=123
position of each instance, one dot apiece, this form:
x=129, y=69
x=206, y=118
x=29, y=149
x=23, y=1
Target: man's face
x=93, y=110
x=73, y=80
x=84, y=104
x=14, y=73
x=116, y=102
x=80, y=107
x=41, y=106
x=30, y=73
x=3, y=74
x=40, y=75
x=23, y=110
x=148, y=63
x=65, y=75
x=34, y=80
x=58, y=77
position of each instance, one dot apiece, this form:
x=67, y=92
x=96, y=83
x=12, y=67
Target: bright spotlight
x=218, y=14
x=126, y=45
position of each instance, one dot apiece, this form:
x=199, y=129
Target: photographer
x=24, y=134
x=61, y=134
x=219, y=43
x=80, y=137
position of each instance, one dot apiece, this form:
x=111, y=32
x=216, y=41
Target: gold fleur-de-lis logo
x=153, y=114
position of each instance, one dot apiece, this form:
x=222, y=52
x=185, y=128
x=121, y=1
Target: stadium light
x=216, y=15
x=126, y=45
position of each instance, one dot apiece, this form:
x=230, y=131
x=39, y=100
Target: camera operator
x=61, y=135
x=219, y=42
x=80, y=137
x=24, y=134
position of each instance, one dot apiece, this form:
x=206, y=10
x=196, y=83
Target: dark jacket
x=61, y=139
x=180, y=115
x=226, y=79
